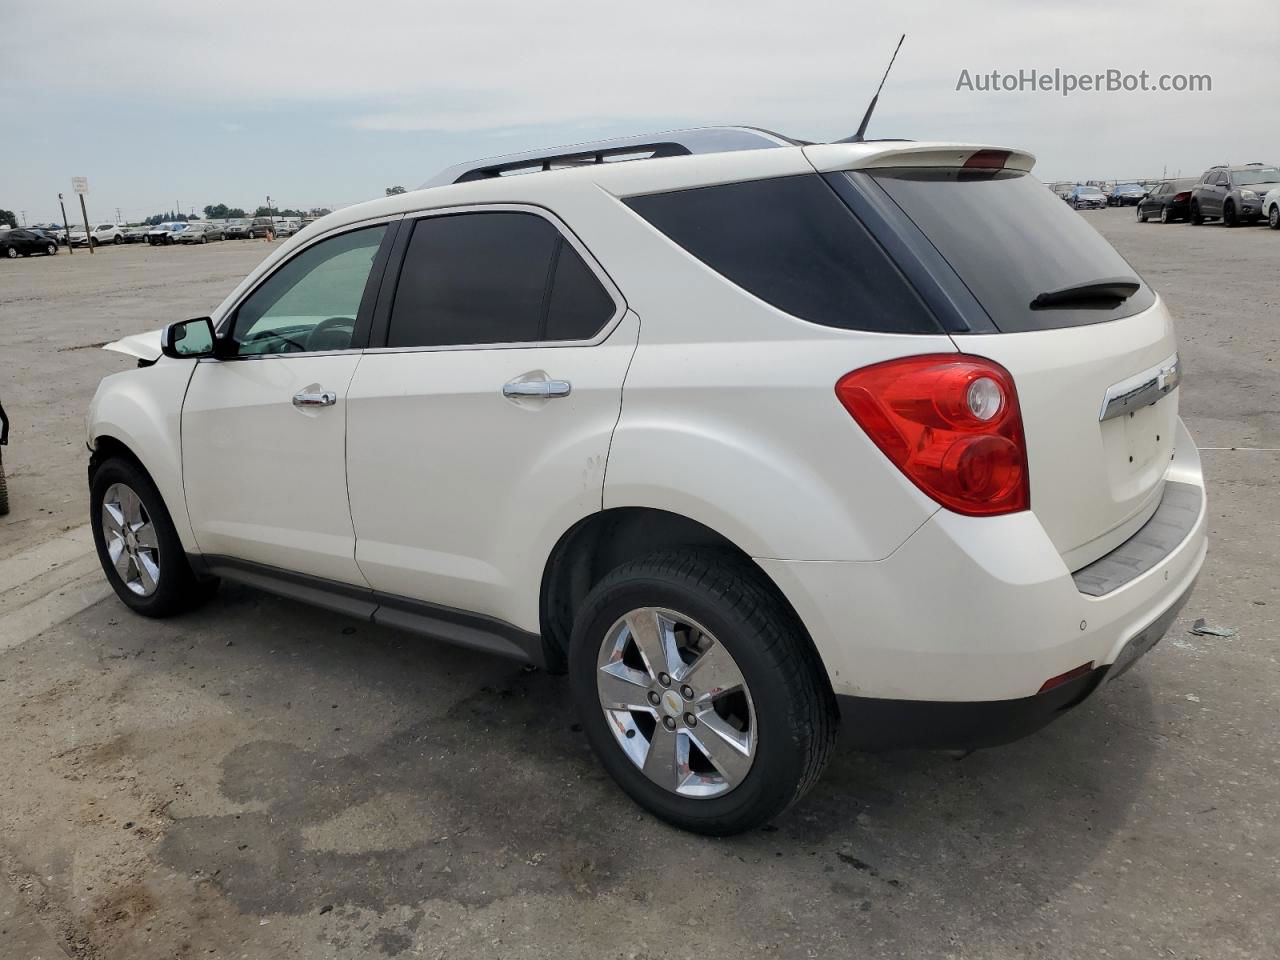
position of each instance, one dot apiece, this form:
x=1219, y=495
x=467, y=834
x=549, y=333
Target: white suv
x=751, y=438
x=102, y=233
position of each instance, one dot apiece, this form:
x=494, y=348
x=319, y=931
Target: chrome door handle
x=540, y=389
x=318, y=398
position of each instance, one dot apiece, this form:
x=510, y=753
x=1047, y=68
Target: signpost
x=66, y=227
x=81, y=186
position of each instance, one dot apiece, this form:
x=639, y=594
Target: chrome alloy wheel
x=131, y=539
x=676, y=702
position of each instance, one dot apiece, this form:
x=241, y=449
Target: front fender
x=142, y=409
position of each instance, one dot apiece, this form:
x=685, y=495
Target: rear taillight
x=1182, y=197
x=951, y=423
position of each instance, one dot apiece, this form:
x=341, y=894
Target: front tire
x=699, y=691
x=1142, y=217
x=1229, y=217
x=1196, y=218
x=11, y=253
x=51, y=250
x=138, y=546
x=1273, y=217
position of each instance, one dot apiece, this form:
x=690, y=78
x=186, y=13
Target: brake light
x=951, y=423
x=1179, y=197
x=987, y=160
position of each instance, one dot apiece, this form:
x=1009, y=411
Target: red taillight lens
x=1180, y=197
x=951, y=423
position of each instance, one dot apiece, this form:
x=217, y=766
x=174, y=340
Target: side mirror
x=188, y=338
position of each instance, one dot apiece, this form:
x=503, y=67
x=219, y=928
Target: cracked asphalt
x=260, y=779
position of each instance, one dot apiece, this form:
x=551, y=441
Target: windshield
x=1255, y=175
x=103, y=226
x=1089, y=192
x=1010, y=240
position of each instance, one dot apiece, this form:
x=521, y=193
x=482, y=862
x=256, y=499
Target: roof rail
x=674, y=143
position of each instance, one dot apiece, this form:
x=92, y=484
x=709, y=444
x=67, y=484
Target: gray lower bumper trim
x=1175, y=517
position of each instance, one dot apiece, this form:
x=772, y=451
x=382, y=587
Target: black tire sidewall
x=176, y=589
x=778, y=768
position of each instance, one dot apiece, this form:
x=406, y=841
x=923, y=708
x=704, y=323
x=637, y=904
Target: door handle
x=538, y=389
x=315, y=398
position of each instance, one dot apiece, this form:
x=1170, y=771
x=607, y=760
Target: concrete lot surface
x=262, y=780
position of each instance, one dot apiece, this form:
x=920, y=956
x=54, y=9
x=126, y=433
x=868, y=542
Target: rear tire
x=11, y=253
x=1273, y=218
x=147, y=566
x=1142, y=217
x=777, y=703
x=4, y=491
x=1164, y=215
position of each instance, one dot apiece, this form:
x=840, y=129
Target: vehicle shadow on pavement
x=464, y=778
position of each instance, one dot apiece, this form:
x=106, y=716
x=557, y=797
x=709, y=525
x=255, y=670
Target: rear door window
x=791, y=242
x=494, y=277
x=1010, y=240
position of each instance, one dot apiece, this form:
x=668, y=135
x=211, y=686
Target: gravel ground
x=261, y=780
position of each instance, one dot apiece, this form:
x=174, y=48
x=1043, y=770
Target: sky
x=164, y=104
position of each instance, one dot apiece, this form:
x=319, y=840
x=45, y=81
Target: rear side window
x=1010, y=241
x=794, y=244
x=501, y=277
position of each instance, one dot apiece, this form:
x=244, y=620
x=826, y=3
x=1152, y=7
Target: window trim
x=226, y=323
x=381, y=326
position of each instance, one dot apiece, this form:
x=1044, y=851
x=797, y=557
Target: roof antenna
x=871, y=107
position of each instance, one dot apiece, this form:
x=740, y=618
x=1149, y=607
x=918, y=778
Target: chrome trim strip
x=1141, y=390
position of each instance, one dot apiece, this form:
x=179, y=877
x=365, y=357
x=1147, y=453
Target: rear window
x=1010, y=240
x=793, y=243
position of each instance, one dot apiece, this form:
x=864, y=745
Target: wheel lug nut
x=664, y=679
x=690, y=720
x=687, y=692
x=669, y=723
x=654, y=698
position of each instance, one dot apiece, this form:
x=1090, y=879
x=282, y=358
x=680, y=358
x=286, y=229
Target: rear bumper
x=974, y=610
x=870, y=723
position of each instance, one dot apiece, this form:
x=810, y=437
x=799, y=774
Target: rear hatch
x=1089, y=345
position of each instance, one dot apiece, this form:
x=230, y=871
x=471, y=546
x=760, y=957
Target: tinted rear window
x=494, y=277
x=1009, y=239
x=794, y=244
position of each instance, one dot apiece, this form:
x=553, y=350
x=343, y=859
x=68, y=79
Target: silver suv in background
x=1233, y=194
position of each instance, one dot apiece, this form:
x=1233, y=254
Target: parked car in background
x=971, y=500
x=1271, y=208
x=136, y=234
x=23, y=242
x=1233, y=194
x=1087, y=198
x=286, y=228
x=1168, y=202
x=259, y=227
x=161, y=233
x=102, y=233
x=198, y=232
x=236, y=229
x=1126, y=194
x=1062, y=190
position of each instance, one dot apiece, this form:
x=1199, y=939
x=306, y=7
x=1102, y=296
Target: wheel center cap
x=672, y=705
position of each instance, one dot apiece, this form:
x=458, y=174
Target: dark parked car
x=1233, y=193
x=21, y=241
x=259, y=227
x=1168, y=202
x=1087, y=198
x=1126, y=194
x=236, y=229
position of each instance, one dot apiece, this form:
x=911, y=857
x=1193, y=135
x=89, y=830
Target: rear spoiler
x=832, y=157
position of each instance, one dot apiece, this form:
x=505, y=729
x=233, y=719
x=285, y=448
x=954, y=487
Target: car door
x=263, y=430
x=478, y=432
x=1214, y=195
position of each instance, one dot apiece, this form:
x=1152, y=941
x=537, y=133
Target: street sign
x=80, y=185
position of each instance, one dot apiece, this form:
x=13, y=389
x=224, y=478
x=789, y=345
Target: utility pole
x=24, y=217
x=66, y=226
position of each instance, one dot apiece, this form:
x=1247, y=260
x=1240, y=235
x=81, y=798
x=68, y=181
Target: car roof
x=631, y=166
